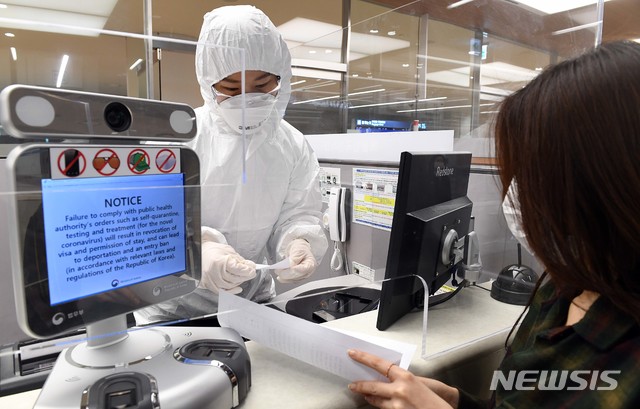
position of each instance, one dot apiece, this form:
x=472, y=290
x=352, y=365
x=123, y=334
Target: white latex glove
x=224, y=269
x=303, y=263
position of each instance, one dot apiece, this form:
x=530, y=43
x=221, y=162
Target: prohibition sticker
x=166, y=160
x=106, y=162
x=71, y=163
x=138, y=161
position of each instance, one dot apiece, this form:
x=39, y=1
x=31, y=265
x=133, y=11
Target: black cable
x=451, y=295
x=476, y=285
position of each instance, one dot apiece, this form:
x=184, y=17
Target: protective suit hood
x=249, y=29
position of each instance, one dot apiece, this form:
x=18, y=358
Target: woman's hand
x=405, y=390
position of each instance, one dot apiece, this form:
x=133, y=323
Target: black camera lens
x=117, y=116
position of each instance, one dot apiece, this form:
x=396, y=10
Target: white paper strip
x=312, y=343
x=280, y=265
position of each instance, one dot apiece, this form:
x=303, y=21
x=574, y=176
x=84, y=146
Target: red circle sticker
x=138, y=161
x=106, y=162
x=166, y=160
x=72, y=163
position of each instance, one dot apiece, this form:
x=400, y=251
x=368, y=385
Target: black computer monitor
x=431, y=218
x=95, y=237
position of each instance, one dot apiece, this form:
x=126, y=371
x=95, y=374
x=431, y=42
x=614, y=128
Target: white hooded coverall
x=280, y=199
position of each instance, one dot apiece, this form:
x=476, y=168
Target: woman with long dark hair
x=568, y=152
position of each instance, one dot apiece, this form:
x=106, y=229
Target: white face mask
x=257, y=109
x=511, y=210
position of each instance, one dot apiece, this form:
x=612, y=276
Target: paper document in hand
x=280, y=265
x=312, y=343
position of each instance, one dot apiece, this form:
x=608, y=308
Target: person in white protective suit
x=275, y=213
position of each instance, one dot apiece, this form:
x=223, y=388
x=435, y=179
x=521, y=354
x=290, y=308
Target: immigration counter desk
x=464, y=344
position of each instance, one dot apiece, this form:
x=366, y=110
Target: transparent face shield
x=458, y=89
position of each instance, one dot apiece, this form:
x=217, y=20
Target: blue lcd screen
x=111, y=232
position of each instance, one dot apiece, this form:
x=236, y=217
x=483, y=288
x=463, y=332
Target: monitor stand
x=331, y=303
x=168, y=367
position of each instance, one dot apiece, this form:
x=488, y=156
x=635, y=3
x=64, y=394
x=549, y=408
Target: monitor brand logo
x=445, y=171
x=555, y=380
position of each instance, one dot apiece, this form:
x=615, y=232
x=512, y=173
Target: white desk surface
x=468, y=325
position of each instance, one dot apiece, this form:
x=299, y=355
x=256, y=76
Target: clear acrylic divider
x=102, y=197
x=453, y=70
x=286, y=342
x=302, y=336
x=439, y=66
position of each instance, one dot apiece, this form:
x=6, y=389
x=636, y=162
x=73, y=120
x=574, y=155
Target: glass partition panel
x=439, y=64
x=458, y=61
x=104, y=197
x=383, y=67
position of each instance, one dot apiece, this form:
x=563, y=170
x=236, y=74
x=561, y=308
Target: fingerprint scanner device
x=101, y=225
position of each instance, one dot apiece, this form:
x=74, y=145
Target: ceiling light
x=405, y=65
x=410, y=101
x=136, y=64
x=366, y=92
x=298, y=82
x=354, y=75
x=494, y=94
x=431, y=99
x=490, y=74
x=63, y=67
x=391, y=33
x=367, y=87
x=320, y=83
x=316, y=99
x=14, y=54
x=374, y=31
x=313, y=33
x=458, y=4
x=441, y=108
x=312, y=51
x=63, y=16
x=575, y=28
x=555, y=6
x=9, y=35
x=3, y=6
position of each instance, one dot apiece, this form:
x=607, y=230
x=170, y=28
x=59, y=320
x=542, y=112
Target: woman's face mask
x=511, y=210
x=257, y=109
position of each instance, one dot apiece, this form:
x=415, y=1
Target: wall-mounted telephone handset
x=338, y=224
